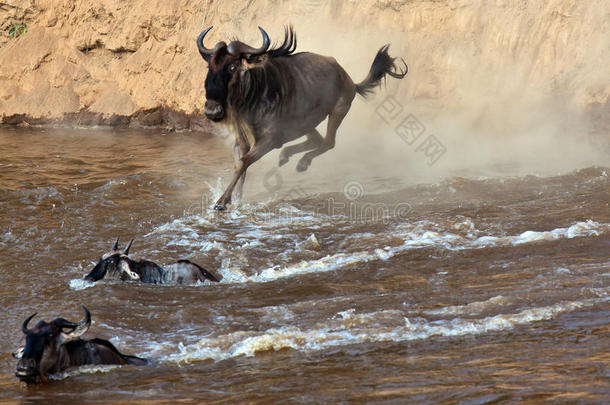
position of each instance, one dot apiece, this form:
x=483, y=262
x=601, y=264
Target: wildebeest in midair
x=117, y=264
x=274, y=96
x=56, y=346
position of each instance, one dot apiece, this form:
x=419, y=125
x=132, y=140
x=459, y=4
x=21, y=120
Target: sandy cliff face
x=136, y=63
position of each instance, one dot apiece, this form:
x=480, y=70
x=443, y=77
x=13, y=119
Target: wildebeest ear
x=18, y=353
x=253, y=61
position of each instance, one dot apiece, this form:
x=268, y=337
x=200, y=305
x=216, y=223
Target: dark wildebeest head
x=114, y=264
x=51, y=347
x=43, y=343
x=225, y=62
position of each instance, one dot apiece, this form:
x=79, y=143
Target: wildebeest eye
x=232, y=68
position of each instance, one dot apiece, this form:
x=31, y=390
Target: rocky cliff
x=135, y=63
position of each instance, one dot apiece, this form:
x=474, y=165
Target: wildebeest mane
x=288, y=46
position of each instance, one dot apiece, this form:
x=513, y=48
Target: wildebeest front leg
x=239, y=150
x=254, y=154
x=314, y=140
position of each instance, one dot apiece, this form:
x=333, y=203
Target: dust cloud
x=494, y=101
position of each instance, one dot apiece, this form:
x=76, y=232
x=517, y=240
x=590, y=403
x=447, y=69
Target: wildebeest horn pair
x=235, y=48
x=116, y=246
x=77, y=328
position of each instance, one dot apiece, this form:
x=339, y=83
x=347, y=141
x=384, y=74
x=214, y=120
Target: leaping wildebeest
x=274, y=96
x=56, y=346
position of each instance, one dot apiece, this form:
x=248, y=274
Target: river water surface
x=468, y=290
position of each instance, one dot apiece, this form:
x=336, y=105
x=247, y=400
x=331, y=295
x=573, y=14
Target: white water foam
x=80, y=284
x=349, y=328
x=202, y=233
x=422, y=234
x=472, y=308
x=92, y=369
x=419, y=238
x=579, y=229
x=327, y=263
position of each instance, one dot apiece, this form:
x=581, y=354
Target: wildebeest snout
x=26, y=369
x=214, y=110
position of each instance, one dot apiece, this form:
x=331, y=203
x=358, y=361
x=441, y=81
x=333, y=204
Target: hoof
x=282, y=161
x=302, y=166
x=220, y=207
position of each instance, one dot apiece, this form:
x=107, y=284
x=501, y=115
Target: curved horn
x=116, y=244
x=206, y=53
x=238, y=48
x=24, y=327
x=126, y=251
x=80, y=327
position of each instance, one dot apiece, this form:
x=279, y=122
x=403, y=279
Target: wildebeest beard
x=259, y=91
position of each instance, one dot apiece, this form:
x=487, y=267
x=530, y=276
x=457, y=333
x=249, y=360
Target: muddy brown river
x=469, y=290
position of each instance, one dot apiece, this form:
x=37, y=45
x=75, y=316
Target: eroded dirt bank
x=111, y=63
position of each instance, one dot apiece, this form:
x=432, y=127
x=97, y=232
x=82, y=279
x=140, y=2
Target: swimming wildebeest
x=274, y=96
x=116, y=264
x=57, y=346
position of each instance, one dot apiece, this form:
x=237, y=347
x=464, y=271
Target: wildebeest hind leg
x=314, y=140
x=257, y=152
x=334, y=120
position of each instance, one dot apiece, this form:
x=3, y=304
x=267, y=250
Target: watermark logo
x=411, y=130
x=273, y=180
x=432, y=148
x=353, y=190
x=389, y=110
